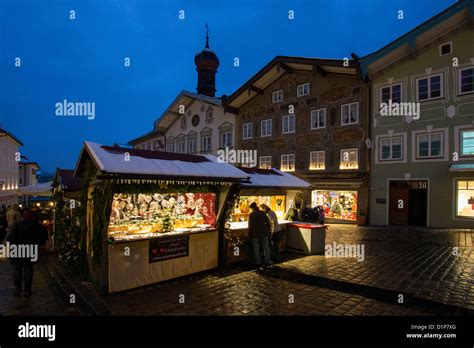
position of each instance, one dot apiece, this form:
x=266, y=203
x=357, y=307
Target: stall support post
x=233, y=190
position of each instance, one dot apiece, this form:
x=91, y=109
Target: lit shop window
x=317, y=160
x=465, y=198
x=429, y=145
x=349, y=158
x=288, y=162
x=467, y=142
x=392, y=92
x=265, y=162
x=466, y=80
x=430, y=87
x=341, y=205
x=247, y=130
x=266, y=128
x=277, y=96
x=302, y=90
x=390, y=149
x=318, y=119
x=349, y=114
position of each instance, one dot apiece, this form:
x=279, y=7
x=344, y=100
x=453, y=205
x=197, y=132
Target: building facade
x=194, y=122
x=310, y=117
x=28, y=173
x=422, y=168
x=9, y=168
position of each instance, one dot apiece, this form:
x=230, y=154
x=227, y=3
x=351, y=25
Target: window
x=226, y=139
x=288, y=162
x=465, y=198
x=349, y=158
x=392, y=92
x=192, y=145
x=266, y=128
x=466, y=80
x=317, y=160
x=265, y=162
x=21, y=181
x=349, y=114
x=277, y=96
x=390, y=149
x=430, y=87
x=206, y=143
x=302, y=89
x=170, y=144
x=148, y=146
x=180, y=146
x=288, y=124
x=247, y=131
x=445, y=49
x=318, y=119
x=467, y=142
x=429, y=145
x=156, y=144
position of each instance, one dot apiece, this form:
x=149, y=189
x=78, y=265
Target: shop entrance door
x=408, y=203
x=398, y=206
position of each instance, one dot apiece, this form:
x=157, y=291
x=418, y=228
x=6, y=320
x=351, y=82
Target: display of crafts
x=144, y=213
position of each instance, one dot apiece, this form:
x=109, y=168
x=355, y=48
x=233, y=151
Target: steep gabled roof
x=4, y=132
x=453, y=17
x=280, y=66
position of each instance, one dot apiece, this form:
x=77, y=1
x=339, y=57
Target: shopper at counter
x=259, y=232
x=276, y=232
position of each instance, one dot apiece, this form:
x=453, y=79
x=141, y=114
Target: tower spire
x=207, y=35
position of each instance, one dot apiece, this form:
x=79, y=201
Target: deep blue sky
x=82, y=59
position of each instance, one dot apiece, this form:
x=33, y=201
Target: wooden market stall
x=150, y=215
x=279, y=190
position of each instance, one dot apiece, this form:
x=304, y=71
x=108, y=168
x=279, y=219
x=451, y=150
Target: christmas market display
x=339, y=205
x=272, y=187
x=150, y=215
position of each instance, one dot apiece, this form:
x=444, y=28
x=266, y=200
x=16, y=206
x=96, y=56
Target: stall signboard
x=167, y=248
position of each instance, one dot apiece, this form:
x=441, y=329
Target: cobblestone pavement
x=414, y=262
x=42, y=301
x=419, y=262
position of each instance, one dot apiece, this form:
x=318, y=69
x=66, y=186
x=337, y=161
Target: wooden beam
x=285, y=67
x=319, y=70
x=231, y=109
x=412, y=47
x=256, y=89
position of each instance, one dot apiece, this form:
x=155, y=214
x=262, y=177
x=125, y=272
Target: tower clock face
x=195, y=120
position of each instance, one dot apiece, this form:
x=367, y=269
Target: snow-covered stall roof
x=111, y=160
x=42, y=189
x=272, y=178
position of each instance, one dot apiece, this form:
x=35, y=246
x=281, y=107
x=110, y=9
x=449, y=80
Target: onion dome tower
x=206, y=65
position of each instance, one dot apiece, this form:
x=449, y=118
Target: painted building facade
x=422, y=165
x=310, y=117
x=9, y=169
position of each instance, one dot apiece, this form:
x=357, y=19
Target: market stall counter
x=306, y=238
x=153, y=217
x=272, y=187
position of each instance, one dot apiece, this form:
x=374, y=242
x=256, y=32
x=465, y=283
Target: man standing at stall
x=259, y=232
x=276, y=233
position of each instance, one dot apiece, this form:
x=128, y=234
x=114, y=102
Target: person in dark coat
x=259, y=233
x=28, y=235
x=3, y=223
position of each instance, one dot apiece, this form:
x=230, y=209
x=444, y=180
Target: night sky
x=82, y=60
